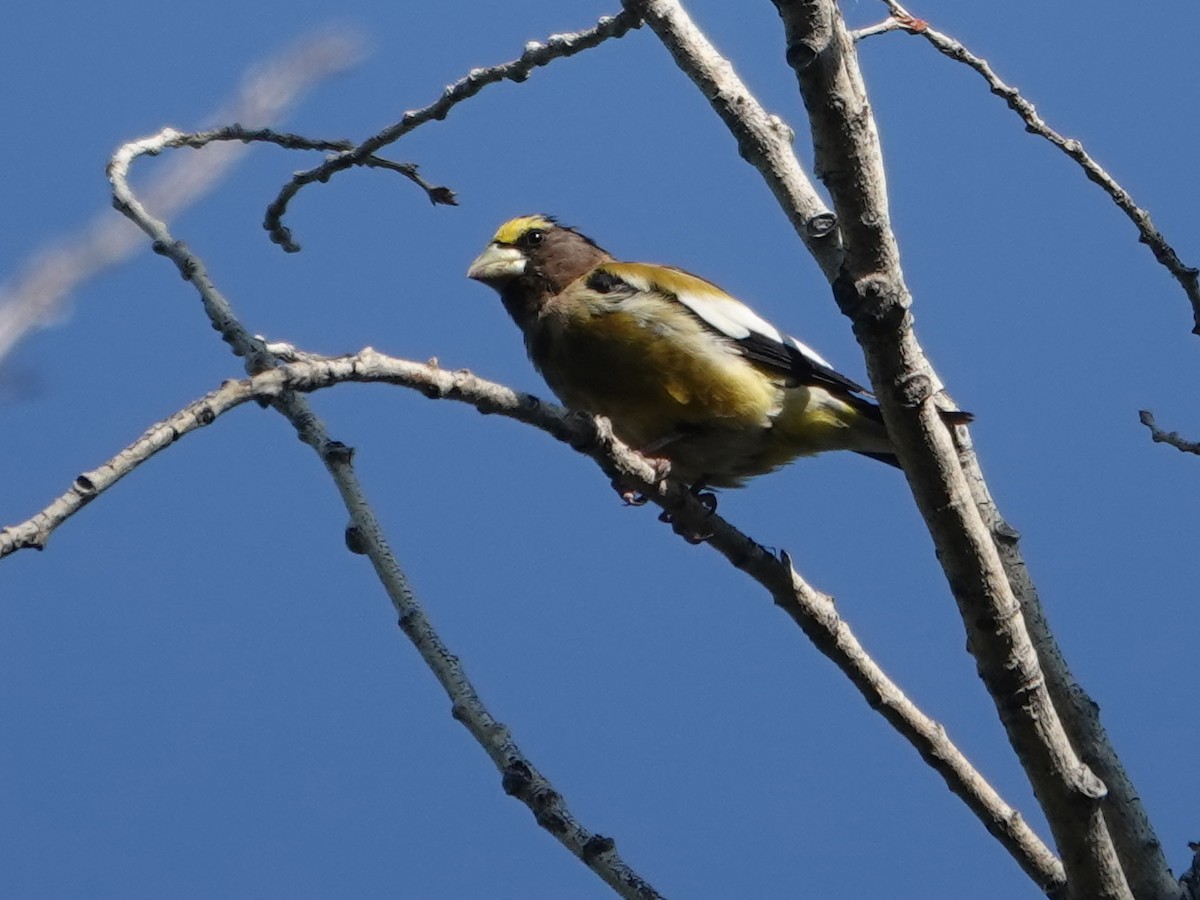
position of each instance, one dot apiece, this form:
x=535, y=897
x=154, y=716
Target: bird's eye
x=533, y=237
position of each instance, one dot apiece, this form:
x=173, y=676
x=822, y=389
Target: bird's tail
x=889, y=458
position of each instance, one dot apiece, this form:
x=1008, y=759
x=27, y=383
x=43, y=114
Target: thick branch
x=1136, y=843
x=764, y=140
x=871, y=290
x=871, y=286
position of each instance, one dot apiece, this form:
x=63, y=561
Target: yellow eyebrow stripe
x=510, y=231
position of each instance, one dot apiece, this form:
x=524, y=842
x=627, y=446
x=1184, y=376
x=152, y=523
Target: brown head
x=531, y=258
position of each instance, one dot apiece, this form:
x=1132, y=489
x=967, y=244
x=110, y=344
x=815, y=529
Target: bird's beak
x=497, y=263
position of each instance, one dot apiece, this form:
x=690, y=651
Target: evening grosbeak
x=681, y=369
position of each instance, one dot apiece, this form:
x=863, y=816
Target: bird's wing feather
x=756, y=338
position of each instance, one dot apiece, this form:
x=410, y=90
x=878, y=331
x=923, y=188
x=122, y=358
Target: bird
x=683, y=371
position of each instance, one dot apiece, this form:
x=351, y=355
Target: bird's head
x=535, y=254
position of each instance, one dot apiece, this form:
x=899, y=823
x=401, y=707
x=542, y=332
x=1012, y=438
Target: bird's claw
x=635, y=497
x=709, y=501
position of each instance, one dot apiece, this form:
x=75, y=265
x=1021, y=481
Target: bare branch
x=888, y=24
x=1163, y=437
x=34, y=532
x=870, y=288
x=873, y=292
x=36, y=296
x=1137, y=846
x=764, y=139
x=438, y=195
x=520, y=777
x=557, y=46
x=811, y=609
x=1187, y=276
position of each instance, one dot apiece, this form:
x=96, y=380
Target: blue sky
x=202, y=693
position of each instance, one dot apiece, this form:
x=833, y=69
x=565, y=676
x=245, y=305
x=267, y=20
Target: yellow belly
x=682, y=395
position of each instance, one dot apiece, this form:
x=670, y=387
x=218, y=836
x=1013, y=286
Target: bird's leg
x=662, y=467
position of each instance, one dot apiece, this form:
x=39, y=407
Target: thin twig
x=170, y=139
x=519, y=776
x=36, y=531
x=438, y=195
x=811, y=609
x=1187, y=276
x=558, y=46
x=888, y=24
x=1174, y=438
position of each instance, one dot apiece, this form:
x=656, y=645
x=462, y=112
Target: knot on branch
x=337, y=453
x=597, y=845
x=356, y=543
x=915, y=390
x=517, y=779
x=801, y=55
x=873, y=302
x=589, y=433
x=809, y=30
x=1089, y=784
x=822, y=225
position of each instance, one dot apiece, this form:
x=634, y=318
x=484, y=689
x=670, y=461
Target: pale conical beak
x=497, y=263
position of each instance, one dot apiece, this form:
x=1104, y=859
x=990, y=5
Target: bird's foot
x=634, y=496
x=693, y=536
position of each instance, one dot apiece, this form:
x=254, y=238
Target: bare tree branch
x=870, y=288
x=1187, y=276
x=557, y=46
x=36, y=296
x=438, y=195
x=36, y=531
x=1137, y=845
x=808, y=607
x=857, y=252
x=520, y=777
x=889, y=24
